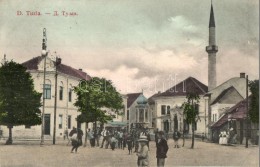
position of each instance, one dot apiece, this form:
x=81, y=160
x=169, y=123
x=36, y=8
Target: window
x=141, y=115
x=136, y=115
x=168, y=110
x=146, y=116
x=213, y=118
x=163, y=110
x=61, y=93
x=69, y=121
x=47, y=91
x=197, y=108
x=70, y=95
x=60, y=121
x=127, y=117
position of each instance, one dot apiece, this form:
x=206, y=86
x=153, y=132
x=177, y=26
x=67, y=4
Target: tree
x=191, y=112
x=254, y=104
x=93, y=96
x=19, y=102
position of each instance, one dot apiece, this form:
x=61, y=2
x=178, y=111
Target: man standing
x=161, y=149
x=176, y=136
x=142, y=154
x=80, y=135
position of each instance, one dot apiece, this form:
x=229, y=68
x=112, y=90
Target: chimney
x=80, y=69
x=242, y=75
x=58, y=61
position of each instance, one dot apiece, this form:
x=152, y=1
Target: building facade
x=66, y=112
x=166, y=106
x=138, y=110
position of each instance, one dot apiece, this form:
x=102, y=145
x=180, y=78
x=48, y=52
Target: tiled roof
x=238, y=111
x=131, y=97
x=188, y=85
x=237, y=82
x=32, y=64
x=223, y=93
x=151, y=99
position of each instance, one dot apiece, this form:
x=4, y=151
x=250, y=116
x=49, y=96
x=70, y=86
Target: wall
x=64, y=107
x=178, y=101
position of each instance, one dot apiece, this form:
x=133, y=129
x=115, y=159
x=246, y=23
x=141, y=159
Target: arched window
x=146, y=115
x=141, y=115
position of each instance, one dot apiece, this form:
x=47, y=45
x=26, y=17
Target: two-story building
x=66, y=112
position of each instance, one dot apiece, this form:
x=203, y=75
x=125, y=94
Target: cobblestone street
x=31, y=154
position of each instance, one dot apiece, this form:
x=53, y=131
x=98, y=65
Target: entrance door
x=166, y=126
x=175, y=120
x=47, y=121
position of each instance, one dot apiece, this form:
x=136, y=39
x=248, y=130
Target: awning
x=117, y=124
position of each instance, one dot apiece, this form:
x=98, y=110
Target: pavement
x=31, y=154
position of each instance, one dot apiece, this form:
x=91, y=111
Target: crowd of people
x=228, y=137
x=137, y=141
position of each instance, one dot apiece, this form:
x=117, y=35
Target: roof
x=188, y=85
x=32, y=64
x=131, y=97
x=224, y=93
x=211, y=19
x=237, y=82
x=151, y=99
x=238, y=111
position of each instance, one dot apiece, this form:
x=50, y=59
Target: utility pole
x=44, y=55
x=247, y=115
x=57, y=62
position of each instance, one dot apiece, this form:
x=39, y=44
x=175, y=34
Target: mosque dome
x=141, y=100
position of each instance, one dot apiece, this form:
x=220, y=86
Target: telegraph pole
x=44, y=55
x=57, y=62
x=247, y=115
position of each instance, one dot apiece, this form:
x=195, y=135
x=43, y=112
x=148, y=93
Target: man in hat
x=143, y=157
x=161, y=149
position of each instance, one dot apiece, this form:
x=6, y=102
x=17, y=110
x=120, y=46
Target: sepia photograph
x=129, y=83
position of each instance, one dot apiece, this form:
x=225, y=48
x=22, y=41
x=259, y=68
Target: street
x=31, y=154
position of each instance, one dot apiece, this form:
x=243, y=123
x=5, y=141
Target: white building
x=220, y=99
x=67, y=78
x=165, y=107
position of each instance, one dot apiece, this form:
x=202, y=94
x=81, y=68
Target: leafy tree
x=93, y=96
x=191, y=112
x=254, y=104
x=19, y=102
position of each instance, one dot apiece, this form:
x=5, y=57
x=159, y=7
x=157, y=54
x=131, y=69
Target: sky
x=147, y=45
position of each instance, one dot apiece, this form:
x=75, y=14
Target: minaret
x=212, y=49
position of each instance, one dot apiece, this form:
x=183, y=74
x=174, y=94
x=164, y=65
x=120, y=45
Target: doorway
x=47, y=122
